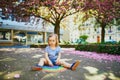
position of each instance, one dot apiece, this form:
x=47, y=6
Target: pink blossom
x=95, y=55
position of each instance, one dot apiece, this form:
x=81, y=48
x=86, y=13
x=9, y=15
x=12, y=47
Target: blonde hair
x=56, y=37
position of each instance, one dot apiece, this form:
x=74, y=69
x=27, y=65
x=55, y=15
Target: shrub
x=66, y=42
x=84, y=37
x=119, y=42
x=100, y=48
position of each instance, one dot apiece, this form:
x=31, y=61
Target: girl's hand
x=50, y=63
x=58, y=62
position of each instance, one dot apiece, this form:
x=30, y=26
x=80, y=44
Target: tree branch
x=56, y=11
x=53, y=16
x=62, y=16
x=47, y=20
x=71, y=14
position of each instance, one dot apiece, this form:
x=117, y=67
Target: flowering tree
x=7, y=6
x=103, y=10
x=53, y=11
x=56, y=10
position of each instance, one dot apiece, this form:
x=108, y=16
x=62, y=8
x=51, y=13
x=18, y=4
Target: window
x=4, y=35
x=109, y=37
x=118, y=28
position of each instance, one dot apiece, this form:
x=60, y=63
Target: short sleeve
x=46, y=49
x=59, y=49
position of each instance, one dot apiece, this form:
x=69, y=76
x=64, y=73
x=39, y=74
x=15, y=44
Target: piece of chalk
x=17, y=76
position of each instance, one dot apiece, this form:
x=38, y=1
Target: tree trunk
x=57, y=29
x=103, y=32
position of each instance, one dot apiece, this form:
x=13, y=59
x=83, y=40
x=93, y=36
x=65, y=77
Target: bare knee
x=42, y=59
x=62, y=62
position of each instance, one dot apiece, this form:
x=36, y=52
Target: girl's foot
x=37, y=68
x=75, y=65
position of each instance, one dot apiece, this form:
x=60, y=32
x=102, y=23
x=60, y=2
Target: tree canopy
x=103, y=10
x=54, y=11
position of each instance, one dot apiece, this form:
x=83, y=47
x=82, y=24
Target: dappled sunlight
x=19, y=51
x=95, y=75
x=8, y=59
x=113, y=77
x=1, y=73
x=68, y=49
x=15, y=64
x=11, y=75
x=28, y=50
x=66, y=59
x=49, y=75
x=22, y=50
x=91, y=70
x=7, y=49
x=36, y=56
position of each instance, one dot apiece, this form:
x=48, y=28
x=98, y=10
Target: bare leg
x=42, y=62
x=70, y=66
x=65, y=64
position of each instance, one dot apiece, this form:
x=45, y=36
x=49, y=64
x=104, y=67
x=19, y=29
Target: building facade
x=74, y=31
x=36, y=30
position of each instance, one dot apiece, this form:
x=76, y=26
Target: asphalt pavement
x=15, y=64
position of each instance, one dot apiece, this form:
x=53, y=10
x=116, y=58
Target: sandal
x=37, y=68
x=75, y=65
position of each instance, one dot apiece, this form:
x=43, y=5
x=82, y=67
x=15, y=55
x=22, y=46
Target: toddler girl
x=53, y=55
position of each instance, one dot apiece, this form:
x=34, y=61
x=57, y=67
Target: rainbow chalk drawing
x=54, y=69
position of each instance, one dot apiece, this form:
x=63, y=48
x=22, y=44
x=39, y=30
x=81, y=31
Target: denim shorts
x=54, y=62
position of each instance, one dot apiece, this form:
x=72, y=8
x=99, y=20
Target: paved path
x=16, y=46
x=94, y=66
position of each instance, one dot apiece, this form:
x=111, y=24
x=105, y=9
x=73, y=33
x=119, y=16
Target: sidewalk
x=18, y=61
x=16, y=46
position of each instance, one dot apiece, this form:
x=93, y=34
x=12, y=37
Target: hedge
x=100, y=48
x=44, y=45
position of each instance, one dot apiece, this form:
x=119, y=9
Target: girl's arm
x=58, y=59
x=47, y=58
x=59, y=56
